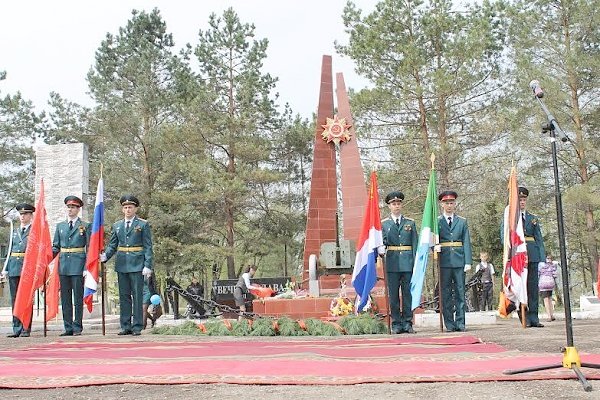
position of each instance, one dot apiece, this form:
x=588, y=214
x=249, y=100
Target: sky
x=49, y=46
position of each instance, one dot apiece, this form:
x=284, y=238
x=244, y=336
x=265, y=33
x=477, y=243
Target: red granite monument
x=335, y=143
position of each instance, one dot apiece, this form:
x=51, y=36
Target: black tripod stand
x=571, y=358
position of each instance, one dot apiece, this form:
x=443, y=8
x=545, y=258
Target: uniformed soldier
x=401, y=241
x=455, y=261
x=131, y=241
x=71, y=239
x=14, y=264
x=536, y=255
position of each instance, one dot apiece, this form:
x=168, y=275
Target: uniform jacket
x=535, y=249
x=19, y=245
x=67, y=238
x=454, y=257
x=404, y=235
x=138, y=235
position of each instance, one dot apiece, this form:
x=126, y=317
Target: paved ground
x=506, y=332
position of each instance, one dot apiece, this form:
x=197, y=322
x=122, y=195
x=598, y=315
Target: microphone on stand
x=552, y=124
x=537, y=89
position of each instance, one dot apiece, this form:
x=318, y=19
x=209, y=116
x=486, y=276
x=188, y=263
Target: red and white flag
x=515, y=252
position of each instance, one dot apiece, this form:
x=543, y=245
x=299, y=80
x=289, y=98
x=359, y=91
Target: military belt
x=451, y=244
x=126, y=249
x=72, y=250
x=529, y=239
x=399, y=248
x=17, y=254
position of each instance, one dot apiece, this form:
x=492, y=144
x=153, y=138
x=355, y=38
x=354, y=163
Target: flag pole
x=436, y=263
x=387, y=297
x=45, y=303
x=103, y=273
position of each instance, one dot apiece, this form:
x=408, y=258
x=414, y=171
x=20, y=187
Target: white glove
x=381, y=250
x=437, y=248
x=541, y=264
x=4, y=273
x=467, y=267
x=146, y=272
x=103, y=257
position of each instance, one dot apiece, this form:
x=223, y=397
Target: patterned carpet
x=303, y=362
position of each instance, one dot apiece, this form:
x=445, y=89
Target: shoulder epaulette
x=386, y=219
x=458, y=216
x=409, y=219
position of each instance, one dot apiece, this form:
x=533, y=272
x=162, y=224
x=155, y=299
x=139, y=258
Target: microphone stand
x=571, y=358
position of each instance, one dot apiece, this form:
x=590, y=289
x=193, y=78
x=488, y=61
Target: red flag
x=52, y=290
x=35, y=264
x=515, y=252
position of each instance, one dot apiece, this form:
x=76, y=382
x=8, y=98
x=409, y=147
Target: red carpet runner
x=302, y=362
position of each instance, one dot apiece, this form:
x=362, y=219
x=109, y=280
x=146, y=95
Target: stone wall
x=65, y=170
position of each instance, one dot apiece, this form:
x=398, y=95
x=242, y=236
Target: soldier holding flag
x=14, y=264
x=400, y=239
x=70, y=240
x=536, y=256
x=455, y=260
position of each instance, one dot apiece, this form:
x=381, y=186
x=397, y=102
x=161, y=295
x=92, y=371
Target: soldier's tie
x=127, y=225
x=523, y=219
x=22, y=231
x=70, y=224
x=398, y=222
x=450, y=222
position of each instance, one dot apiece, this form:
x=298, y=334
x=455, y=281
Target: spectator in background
x=547, y=283
x=242, y=287
x=151, y=311
x=487, y=282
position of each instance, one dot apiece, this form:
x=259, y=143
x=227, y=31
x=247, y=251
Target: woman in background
x=547, y=283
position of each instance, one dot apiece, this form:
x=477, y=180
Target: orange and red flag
x=35, y=264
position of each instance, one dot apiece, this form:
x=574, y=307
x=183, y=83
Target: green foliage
x=241, y=328
x=187, y=328
x=316, y=327
x=362, y=324
x=216, y=327
x=289, y=327
x=263, y=327
x=20, y=126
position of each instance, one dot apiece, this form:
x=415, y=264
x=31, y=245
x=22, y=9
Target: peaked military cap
x=447, y=195
x=24, y=208
x=129, y=199
x=73, y=201
x=394, y=196
x=523, y=192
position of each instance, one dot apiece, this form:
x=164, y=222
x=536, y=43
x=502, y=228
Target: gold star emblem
x=336, y=130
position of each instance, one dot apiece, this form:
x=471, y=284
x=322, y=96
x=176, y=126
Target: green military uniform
x=455, y=243
x=536, y=253
x=401, y=241
x=133, y=249
x=14, y=266
x=71, y=243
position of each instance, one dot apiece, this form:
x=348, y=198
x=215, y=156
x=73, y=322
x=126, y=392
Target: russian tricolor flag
x=364, y=275
x=94, y=248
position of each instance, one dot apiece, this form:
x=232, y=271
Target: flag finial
x=432, y=158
